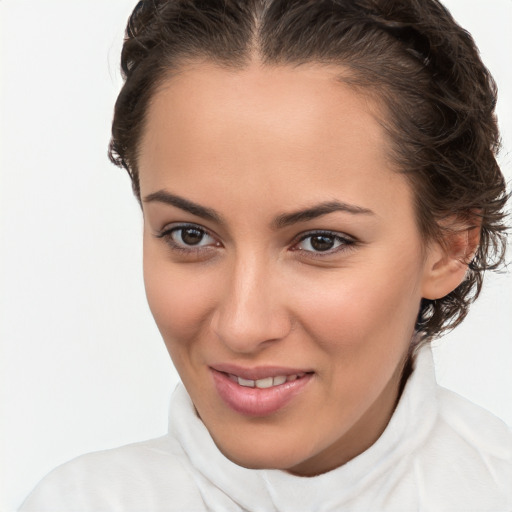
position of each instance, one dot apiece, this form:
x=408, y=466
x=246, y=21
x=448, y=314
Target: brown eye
x=191, y=236
x=188, y=237
x=322, y=242
x=327, y=242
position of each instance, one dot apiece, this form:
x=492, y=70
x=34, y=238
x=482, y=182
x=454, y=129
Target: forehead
x=306, y=102
x=296, y=129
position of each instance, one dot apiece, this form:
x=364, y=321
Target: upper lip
x=257, y=372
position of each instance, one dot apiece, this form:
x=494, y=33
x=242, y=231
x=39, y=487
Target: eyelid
x=173, y=226
x=348, y=242
x=167, y=231
x=328, y=232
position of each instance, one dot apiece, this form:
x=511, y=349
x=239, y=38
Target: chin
x=254, y=456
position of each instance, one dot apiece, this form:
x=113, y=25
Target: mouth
x=266, y=382
x=259, y=391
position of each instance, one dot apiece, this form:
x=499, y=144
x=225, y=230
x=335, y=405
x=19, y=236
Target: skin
x=253, y=145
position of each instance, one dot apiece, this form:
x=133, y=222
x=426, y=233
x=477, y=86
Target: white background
x=82, y=364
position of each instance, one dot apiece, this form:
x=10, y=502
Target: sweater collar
x=222, y=482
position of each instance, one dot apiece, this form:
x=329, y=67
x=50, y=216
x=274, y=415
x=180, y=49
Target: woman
x=320, y=197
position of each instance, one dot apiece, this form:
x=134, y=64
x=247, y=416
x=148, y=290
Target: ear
x=447, y=260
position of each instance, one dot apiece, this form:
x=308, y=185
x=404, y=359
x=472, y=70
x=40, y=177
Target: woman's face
x=282, y=261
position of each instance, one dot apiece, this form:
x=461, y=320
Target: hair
x=421, y=66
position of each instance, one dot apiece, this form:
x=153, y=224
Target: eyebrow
x=163, y=196
x=281, y=221
x=287, y=219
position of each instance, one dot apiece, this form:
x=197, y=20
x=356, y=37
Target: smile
x=267, y=382
x=259, y=392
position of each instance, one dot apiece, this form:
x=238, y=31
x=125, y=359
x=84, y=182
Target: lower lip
x=256, y=401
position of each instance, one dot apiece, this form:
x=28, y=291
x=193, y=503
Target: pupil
x=322, y=242
x=191, y=236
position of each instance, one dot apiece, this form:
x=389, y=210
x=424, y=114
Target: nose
x=251, y=312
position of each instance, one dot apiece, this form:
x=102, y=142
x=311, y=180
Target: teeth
x=268, y=382
x=279, y=380
x=265, y=383
x=246, y=382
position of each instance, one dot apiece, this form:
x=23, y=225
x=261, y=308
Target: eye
x=187, y=238
x=323, y=242
x=190, y=236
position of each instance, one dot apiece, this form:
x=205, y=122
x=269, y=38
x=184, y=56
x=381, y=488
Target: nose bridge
x=251, y=311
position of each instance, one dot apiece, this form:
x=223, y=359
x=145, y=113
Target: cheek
x=362, y=320
x=179, y=301
x=363, y=307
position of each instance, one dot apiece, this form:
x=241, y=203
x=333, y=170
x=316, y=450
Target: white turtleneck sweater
x=438, y=453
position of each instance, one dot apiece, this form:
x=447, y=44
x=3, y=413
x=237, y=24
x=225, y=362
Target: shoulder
x=468, y=449
x=154, y=474
x=479, y=429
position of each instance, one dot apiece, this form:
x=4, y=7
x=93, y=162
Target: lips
x=258, y=391
x=266, y=382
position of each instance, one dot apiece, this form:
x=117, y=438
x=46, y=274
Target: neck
x=366, y=431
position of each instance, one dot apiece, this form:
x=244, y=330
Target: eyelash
x=166, y=235
x=345, y=242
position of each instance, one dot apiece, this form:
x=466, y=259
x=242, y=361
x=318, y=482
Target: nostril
x=246, y=335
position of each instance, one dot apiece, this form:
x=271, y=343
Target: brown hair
x=411, y=54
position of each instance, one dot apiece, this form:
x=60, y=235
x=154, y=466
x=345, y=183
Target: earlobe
x=447, y=261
